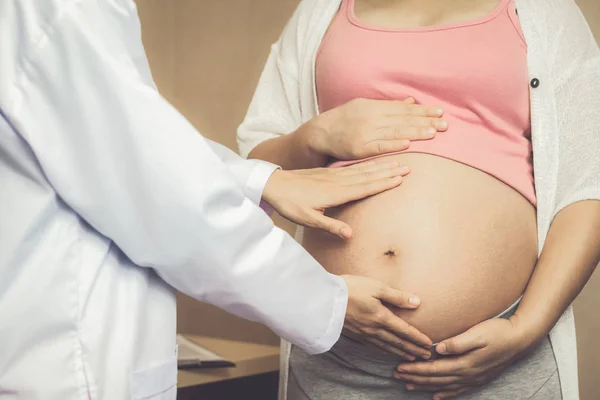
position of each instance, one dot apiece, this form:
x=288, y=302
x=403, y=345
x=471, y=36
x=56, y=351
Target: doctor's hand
x=369, y=320
x=364, y=128
x=302, y=196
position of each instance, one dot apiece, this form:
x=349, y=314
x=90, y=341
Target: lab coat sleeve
x=251, y=175
x=135, y=169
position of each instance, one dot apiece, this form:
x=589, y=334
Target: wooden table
x=250, y=358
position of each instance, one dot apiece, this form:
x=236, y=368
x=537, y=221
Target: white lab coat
x=109, y=199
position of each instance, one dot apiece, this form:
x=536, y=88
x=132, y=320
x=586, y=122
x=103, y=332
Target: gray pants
x=353, y=371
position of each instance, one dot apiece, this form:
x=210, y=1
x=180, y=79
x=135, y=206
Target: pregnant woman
x=514, y=174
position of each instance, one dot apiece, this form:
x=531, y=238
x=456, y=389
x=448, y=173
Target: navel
x=390, y=253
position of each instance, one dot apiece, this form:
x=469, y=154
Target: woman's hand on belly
x=366, y=128
x=477, y=357
x=368, y=318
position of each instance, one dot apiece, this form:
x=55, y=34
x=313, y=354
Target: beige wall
x=206, y=56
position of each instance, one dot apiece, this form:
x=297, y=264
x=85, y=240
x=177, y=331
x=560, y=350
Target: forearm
x=292, y=151
x=570, y=255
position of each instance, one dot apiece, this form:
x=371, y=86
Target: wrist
x=312, y=137
x=529, y=332
x=270, y=191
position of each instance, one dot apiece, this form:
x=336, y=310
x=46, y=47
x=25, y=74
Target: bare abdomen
x=461, y=240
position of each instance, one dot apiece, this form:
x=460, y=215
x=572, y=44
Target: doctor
x=110, y=199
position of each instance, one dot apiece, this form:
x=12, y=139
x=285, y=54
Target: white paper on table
x=192, y=355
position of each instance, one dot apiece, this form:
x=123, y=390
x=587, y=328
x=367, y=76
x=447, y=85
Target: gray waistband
x=510, y=311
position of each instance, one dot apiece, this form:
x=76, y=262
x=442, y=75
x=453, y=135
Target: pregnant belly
x=461, y=240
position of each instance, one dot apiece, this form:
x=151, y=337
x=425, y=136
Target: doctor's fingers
x=393, y=344
x=370, y=166
x=402, y=329
x=369, y=180
x=375, y=172
x=354, y=171
x=398, y=298
x=345, y=190
x=315, y=219
x=389, y=348
x=386, y=341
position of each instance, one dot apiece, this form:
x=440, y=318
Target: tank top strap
x=513, y=15
x=346, y=8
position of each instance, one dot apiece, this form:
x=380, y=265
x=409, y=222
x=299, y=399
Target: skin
x=443, y=235
x=420, y=13
x=358, y=129
x=303, y=195
x=569, y=257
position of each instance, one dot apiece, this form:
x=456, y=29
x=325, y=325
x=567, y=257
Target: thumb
x=398, y=298
x=317, y=220
x=410, y=100
x=463, y=343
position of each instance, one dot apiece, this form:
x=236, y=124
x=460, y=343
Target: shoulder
x=558, y=30
x=573, y=41
x=299, y=34
x=553, y=18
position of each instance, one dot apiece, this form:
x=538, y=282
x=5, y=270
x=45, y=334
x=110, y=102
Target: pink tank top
x=476, y=71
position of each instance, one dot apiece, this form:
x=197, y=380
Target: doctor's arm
x=136, y=170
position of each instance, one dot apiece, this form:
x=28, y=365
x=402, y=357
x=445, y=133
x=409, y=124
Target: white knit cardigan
x=565, y=118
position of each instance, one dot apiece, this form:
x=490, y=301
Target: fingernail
x=410, y=358
x=438, y=111
x=393, y=164
x=346, y=232
x=405, y=143
x=441, y=348
x=431, y=131
x=442, y=124
x=404, y=170
x=425, y=356
x=399, y=369
x=415, y=301
x=410, y=387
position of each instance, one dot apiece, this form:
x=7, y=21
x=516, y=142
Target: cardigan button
x=535, y=82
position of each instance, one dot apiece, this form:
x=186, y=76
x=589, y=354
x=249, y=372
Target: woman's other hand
x=302, y=196
x=364, y=128
x=369, y=320
x=475, y=358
